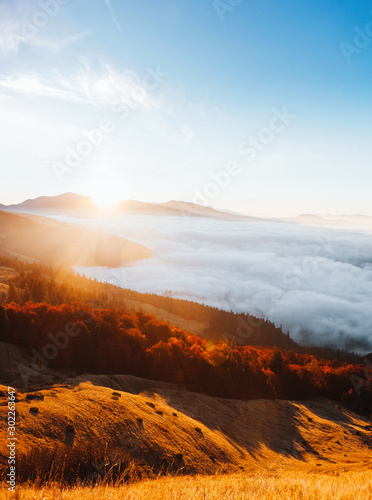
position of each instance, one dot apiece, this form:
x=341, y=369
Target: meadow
x=273, y=486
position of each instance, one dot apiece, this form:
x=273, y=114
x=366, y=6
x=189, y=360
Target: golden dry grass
x=150, y=423
x=252, y=449
x=296, y=486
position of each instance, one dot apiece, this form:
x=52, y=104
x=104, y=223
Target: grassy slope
x=286, y=449
x=212, y=434
x=293, y=450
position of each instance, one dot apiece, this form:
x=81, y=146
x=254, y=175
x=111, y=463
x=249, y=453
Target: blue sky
x=182, y=100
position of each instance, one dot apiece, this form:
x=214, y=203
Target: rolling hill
x=129, y=421
x=63, y=245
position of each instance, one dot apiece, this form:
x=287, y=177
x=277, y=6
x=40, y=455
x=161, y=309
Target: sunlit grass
x=299, y=486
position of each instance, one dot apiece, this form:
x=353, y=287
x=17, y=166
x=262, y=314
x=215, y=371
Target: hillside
x=105, y=341
x=63, y=245
x=23, y=281
x=105, y=395
x=157, y=426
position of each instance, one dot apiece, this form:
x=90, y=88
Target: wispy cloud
x=106, y=87
x=113, y=15
x=18, y=28
x=57, y=45
x=11, y=41
x=33, y=84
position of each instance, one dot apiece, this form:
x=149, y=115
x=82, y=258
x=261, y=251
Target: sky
x=257, y=106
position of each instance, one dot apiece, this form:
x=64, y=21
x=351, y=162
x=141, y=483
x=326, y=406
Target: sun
x=106, y=194
x=105, y=200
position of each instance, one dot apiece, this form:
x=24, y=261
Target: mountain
x=75, y=205
x=60, y=244
x=53, y=204
x=308, y=219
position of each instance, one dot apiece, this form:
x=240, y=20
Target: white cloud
x=105, y=87
x=316, y=282
x=34, y=84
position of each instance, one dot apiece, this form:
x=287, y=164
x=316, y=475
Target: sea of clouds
x=316, y=282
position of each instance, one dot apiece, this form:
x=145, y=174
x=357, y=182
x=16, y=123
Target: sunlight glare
x=105, y=200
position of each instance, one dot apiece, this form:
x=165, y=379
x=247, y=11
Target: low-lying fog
x=316, y=282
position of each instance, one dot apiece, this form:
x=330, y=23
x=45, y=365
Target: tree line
x=41, y=283
x=108, y=341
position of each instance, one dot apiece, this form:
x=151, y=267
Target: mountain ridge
x=76, y=205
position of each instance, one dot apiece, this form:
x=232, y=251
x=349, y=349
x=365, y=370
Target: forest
x=108, y=341
x=56, y=286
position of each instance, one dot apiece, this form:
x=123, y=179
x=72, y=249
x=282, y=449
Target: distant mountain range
x=337, y=221
x=79, y=206
x=75, y=205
